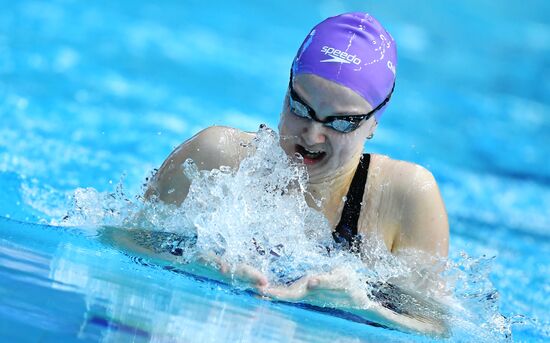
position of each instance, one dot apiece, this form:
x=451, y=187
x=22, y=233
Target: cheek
x=289, y=125
x=287, y=133
x=348, y=145
x=356, y=139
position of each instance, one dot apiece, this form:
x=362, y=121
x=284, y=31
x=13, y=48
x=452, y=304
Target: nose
x=314, y=133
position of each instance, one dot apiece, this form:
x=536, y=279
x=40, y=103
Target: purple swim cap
x=353, y=50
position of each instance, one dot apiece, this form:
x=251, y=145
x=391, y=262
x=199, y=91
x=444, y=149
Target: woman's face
x=326, y=152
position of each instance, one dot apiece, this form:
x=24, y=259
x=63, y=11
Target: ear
x=372, y=124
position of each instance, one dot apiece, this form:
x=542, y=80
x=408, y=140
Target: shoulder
x=213, y=147
x=216, y=137
x=399, y=171
x=405, y=178
x=417, y=202
x=210, y=148
x=223, y=133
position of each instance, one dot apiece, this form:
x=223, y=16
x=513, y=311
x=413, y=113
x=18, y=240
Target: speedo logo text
x=339, y=56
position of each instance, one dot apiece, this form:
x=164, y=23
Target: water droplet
x=225, y=169
x=190, y=169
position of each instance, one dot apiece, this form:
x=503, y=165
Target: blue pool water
x=97, y=94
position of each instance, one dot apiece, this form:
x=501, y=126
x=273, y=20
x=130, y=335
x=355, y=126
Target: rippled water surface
x=97, y=94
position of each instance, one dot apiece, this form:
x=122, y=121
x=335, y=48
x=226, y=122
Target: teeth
x=312, y=152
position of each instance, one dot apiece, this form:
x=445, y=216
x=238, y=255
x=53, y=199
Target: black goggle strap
x=383, y=103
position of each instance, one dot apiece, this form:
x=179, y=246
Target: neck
x=327, y=194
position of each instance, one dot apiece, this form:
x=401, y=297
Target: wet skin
x=402, y=205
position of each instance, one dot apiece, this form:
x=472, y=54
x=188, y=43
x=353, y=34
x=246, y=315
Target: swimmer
x=341, y=81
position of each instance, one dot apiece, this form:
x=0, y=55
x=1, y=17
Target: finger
x=251, y=274
x=284, y=294
x=214, y=261
x=327, y=281
x=223, y=267
x=313, y=283
x=294, y=292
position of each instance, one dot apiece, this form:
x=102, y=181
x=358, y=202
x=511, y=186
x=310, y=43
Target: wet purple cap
x=353, y=50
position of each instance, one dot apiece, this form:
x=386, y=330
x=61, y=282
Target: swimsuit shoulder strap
x=346, y=230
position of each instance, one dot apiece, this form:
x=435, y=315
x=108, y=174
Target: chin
x=320, y=170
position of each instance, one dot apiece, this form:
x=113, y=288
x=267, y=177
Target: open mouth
x=310, y=156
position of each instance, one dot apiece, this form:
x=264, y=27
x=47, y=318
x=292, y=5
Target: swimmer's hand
x=338, y=289
x=242, y=273
x=333, y=289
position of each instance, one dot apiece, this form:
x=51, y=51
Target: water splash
x=258, y=215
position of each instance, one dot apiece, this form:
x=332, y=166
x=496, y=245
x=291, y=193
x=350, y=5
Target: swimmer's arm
x=211, y=148
x=338, y=289
x=424, y=223
x=207, y=264
x=422, y=235
x=242, y=273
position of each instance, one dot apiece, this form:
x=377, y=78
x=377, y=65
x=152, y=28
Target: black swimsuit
x=346, y=230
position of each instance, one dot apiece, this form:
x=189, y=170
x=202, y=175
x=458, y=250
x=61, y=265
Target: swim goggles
x=342, y=124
